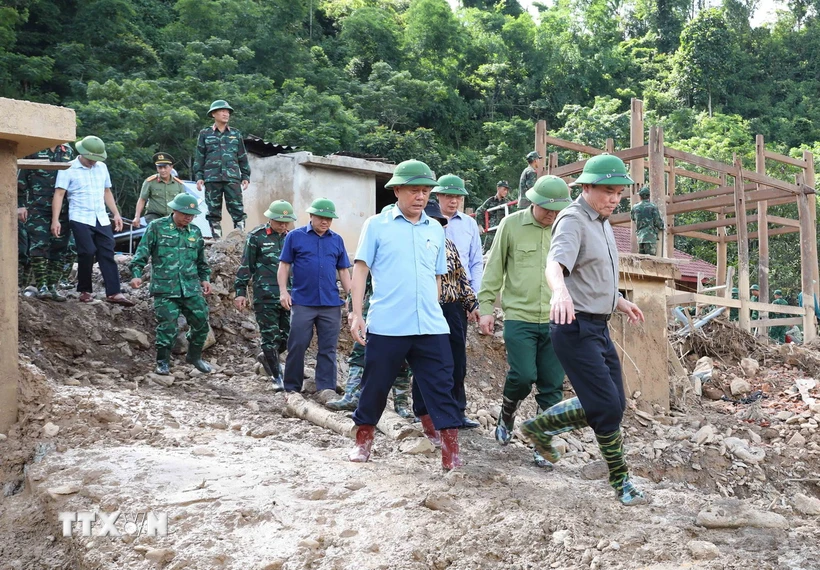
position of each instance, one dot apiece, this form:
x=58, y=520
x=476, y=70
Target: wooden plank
x=669, y=221
x=657, y=184
x=783, y=221
x=787, y=321
x=751, y=199
x=699, y=235
x=610, y=146
x=753, y=204
x=722, y=222
x=723, y=274
x=772, y=232
x=808, y=256
x=808, y=178
x=35, y=164
x=772, y=182
x=695, y=175
x=541, y=146
x=783, y=158
x=577, y=147
x=692, y=298
x=742, y=246
x=553, y=162
x=723, y=190
x=636, y=166
x=762, y=230
x=626, y=155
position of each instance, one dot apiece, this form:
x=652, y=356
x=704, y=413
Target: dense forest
x=459, y=88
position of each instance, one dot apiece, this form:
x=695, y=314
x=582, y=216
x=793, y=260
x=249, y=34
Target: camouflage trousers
x=274, y=325
x=233, y=200
x=40, y=241
x=487, y=241
x=23, y=269
x=401, y=385
x=648, y=248
x=167, y=311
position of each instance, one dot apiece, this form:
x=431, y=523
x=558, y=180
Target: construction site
x=722, y=427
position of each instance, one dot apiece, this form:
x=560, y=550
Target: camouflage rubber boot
x=54, y=271
x=275, y=367
x=65, y=271
x=216, y=230
x=401, y=397
x=163, y=361
x=240, y=226
x=612, y=449
x=506, y=420
x=39, y=271
x=562, y=417
x=353, y=388
x=540, y=460
x=23, y=275
x=194, y=357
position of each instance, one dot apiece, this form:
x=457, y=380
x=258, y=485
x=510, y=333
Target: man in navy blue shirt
x=317, y=255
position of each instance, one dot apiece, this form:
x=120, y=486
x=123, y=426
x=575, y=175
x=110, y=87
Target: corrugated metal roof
x=261, y=147
x=690, y=267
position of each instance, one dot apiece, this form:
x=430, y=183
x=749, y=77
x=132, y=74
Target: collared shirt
x=315, y=260
x=404, y=259
x=260, y=262
x=158, y=193
x=462, y=230
x=455, y=287
x=515, y=268
x=85, y=188
x=583, y=242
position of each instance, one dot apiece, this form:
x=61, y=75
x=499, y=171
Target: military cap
x=502, y=184
x=185, y=203
x=433, y=210
x=280, y=211
x=412, y=173
x=550, y=192
x=755, y=287
x=644, y=192
x=323, y=207
x=604, y=169
x=217, y=105
x=735, y=291
x=533, y=156
x=450, y=184
x=92, y=148
x=163, y=159
x=778, y=292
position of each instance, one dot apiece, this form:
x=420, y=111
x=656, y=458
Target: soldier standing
x=778, y=333
x=158, y=191
x=648, y=223
x=35, y=193
x=527, y=180
x=179, y=280
x=221, y=167
x=494, y=217
x=754, y=297
x=733, y=313
x=260, y=262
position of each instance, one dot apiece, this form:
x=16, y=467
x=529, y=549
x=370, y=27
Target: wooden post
x=553, y=162
x=541, y=146
x=742, y=246
x=809, y=180
x=808, y=259
x=722, y=261
x=636, y=166
x=762, y=234
x=657, y=187
x=610, y=146
x=669, y=221
x=8, y=285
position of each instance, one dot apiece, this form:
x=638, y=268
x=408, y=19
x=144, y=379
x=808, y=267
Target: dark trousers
x=588, y=356
x=327, y=321
x=95, y=241
x=532, y=360
x=432, y=364
x=457, y=320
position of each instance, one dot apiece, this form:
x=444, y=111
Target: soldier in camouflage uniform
x=734, y=313
x=23, y=266
x=260, y=262
x=179, y=280
x=495, y=216
x=221, y=167
x=35, y=192
x=754, y=297
x=778, y=333
x=527, y=180
x=158, y=191
x=647, y=222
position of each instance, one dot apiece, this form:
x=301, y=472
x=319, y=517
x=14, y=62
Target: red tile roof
x=688, y=270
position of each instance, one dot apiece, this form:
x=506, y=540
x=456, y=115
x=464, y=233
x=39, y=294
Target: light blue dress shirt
x=85, y=189
x=404, y=259
x=462, y=230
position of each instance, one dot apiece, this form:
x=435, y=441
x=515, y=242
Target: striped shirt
x=85, y=188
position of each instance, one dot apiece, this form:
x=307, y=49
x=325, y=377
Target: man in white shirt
x=88, y=186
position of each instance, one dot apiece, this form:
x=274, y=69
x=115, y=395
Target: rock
x=136, y=337
x=71, y=382
x=740, y=386
x=266, y=430
x=324, y=396
x=703, y=369
x=210, y=340
x=166, y=381
x=50, y=430
x=3, y=437
x=594, y=471
x=309, y=543
x=159, y=556
x=784, y=415
x=712, y=393
x=106, y=416
x=697, y=385
x=203, y=451
x=416, y=446
x=702, y=550
x=706, y=434
x=797, y=440
x=732, y=513
x=68, y=489
x=436, y=502
x=560, y=444
x=277, y=564
x=309, y=386
x=744, y=451
x=806, y=505
x=559, y=536
x=750, y=367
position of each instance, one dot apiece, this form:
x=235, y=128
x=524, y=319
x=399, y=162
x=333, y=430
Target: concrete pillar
x=24, y=128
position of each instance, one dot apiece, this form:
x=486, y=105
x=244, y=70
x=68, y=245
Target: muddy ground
x=245, y=486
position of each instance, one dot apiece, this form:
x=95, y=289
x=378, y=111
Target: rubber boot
x=401, y=397
x=564, y=416
x=54, y=271
x=364, y=443
x=430, y=430
x=194, y=357
x=506, y=420
x=23, y=275
x=216, y=230
x=612, y=449
x=163, y=361
x=540, y=460
x=272, y=357
x=65, y=272
x=240, y=225
x=39, y=271
x=450, y=458
x=353, y=388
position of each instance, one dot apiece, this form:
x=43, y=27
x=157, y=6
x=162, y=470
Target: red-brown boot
x=364, y=441
x=430, y=430
x=449, y=449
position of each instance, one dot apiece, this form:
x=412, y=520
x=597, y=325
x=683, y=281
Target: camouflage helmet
x=324, y=208
x=450, y=184
x=185, y=203
x=605, y=169
x=217, y=105
x=778, y=292
x=735, y=291
x=644, y=193
x=412, y=173
x=755, y=287
x=502, y=184
x=280, y=211
x=92, y=148
x=550, y=192
x=533, y=156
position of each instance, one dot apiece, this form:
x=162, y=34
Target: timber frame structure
x=736, y=190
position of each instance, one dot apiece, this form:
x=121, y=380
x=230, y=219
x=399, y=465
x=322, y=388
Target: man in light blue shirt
x=405, y=251
x=461, y=229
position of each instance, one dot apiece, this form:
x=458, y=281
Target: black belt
x=592, y=316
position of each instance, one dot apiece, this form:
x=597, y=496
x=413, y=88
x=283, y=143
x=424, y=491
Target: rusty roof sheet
x=690, y=267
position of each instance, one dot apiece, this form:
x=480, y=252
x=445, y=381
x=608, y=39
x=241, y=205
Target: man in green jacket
x=260, y=262
x=515, y=268
x=158, y=191
x=179, y=280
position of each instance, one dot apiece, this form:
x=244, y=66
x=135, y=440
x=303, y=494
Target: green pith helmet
x=450, y=184
x=550, y=193
x=503, y=184
x=184, y=203
x=605, y=169
x=92, y=148
x=217, y=105
x=280, y=211
x=533, y=156
x=735, y=291
x=644, y=193
x=778, y=292
x=388, y=208
x=754, y=287
x=323, y=207
x=412, y=173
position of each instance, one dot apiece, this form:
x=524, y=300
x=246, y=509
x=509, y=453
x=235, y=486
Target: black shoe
x=467, y=423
